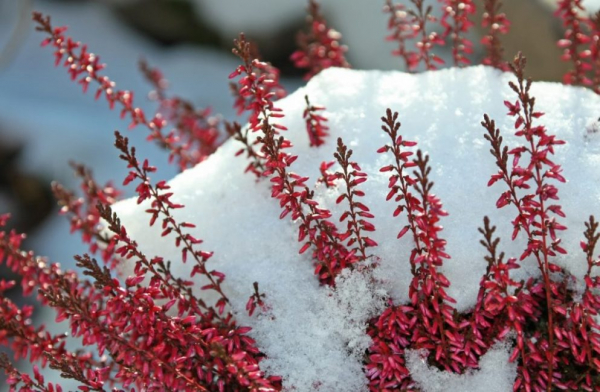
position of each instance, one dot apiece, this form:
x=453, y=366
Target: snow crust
x=313, y=336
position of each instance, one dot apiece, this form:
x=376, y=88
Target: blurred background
x=45, y=120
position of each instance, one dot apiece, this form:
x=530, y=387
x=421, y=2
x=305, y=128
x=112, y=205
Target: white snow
x=496, y=374
x=314, y=337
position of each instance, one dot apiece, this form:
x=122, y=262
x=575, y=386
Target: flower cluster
x=406, y=24
x=315, y=127
x=294, y=196
x=84, y=214
x=85, y=68
x=456, y=23
x=497, y=23
x=428, y=322
x=320, y=48
x=160, y=334
x=198, y=130
x=557, y=336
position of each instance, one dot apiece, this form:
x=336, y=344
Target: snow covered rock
x=314, y=336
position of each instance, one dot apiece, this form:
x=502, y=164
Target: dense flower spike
x=257, y=160
x=429, y=321
x=296, y=199
x=594, y=23
x=320, y=48
x=198, y=130
x=497, y=24
x=15, y=378
x=505, y=305
x=328, y=178
x=83, y=212
x=456, y=23
x=419, y=16
x=85, y=68
x=534, y=209
x=15, y=325
x=159, y=335
x=290, y=188
x=358, y=213
x=233, y=355
x=569, y=12
x=19, y=334
x=257, y=88
x=177, y=291
x=315, y=127
x=161, y=208
x=401, y=30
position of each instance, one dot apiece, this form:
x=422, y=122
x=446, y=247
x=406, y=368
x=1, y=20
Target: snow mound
x=313, y=336
x=496, y=374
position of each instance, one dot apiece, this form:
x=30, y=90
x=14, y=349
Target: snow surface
x=314, y=337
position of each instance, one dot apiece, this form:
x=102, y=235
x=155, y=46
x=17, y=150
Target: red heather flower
x=533, y=208
x=456, y=23
x=497, y=24
x=84, y=214
x=256, y=160
x=425, y=41
x=198, y=130
x=429, y=321
x=297, y=200
x=399, y=25
x=391, y=333
x=290, y=188
x=162, y=207
x=85, y=67
x=36, y=343
x=315, y=127
x=358, y=213
x=594, y=24
x=257, y=88
x=328, y=178
x=320, y=48
x=35, y=383
x=568, y=12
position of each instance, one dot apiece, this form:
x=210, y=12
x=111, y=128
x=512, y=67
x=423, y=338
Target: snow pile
x=495, y=373
x=314, y=337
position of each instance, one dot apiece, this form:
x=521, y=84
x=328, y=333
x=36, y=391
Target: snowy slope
x=315, y=337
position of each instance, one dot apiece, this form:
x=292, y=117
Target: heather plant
x=162, y=331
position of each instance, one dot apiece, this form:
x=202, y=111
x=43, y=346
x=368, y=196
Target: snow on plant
x=385, y=310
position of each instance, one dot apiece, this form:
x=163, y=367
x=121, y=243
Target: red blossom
x=315, y=127
x=533, y=214
x=84, y=214
x=197, y=130
x=399, y=25
x=85, y=68
x=456, y=23
x=412, y=23
x=497, y=24
x=358, y=214
x=320, y=48
x=290, y=188
x=575, y=36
